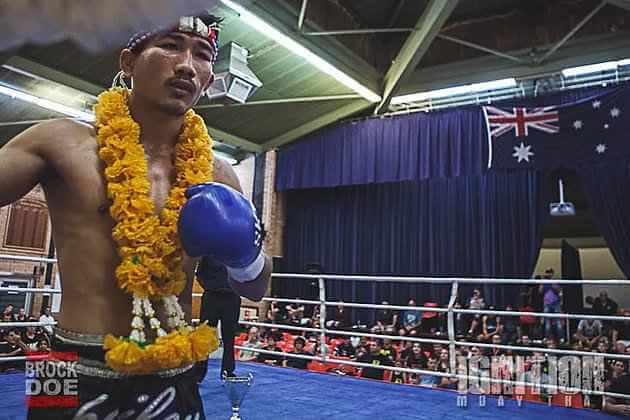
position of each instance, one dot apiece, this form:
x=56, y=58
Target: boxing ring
x=286, y=393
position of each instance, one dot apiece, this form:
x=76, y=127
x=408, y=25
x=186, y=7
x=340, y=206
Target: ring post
x=322, y=317
x=450, y=319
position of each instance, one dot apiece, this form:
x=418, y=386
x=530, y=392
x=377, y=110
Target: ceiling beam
x=316, y=124
x=231, y=139
x=414, y=48
x=572, y=32
x=624, y=4
x=50, y=74
x=579, y=52
x=282, y=17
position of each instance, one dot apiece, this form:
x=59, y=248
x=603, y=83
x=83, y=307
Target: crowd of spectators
x=588, y=335
x=16, y=341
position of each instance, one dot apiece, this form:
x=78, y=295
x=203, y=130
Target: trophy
x=236, y=388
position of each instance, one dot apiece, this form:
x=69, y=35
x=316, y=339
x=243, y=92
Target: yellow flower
x=148, y=244
x=125, y=356
x=203, y=341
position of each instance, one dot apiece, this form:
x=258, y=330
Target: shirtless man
x=170, y=69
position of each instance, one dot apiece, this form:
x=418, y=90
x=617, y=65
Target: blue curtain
x=478, y=226
x=607, y=188
x=405, y=148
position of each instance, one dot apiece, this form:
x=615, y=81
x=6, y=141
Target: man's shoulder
x=61, y=131
x=224, y=173
x=64, y=126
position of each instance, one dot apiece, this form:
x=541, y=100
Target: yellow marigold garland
x=148, y=244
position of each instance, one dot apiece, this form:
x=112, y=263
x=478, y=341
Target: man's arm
x=254, y=289
x=185, y=298
x=23, y=161
x=608, y=405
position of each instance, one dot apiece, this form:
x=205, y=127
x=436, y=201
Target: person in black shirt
x=388, y=349
x=271, y=359
x=603, y=305
x=417, y=358
x=376, y=357
x=298, y=348
x=345, y=349
x=219, y=302
x=619, y=385
x=340, y=319
x=386, y=321
x=11, y=345
x=398, y=377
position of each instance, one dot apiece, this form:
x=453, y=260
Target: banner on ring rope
x=590, y=130
x=538, y=376
x=52, y=380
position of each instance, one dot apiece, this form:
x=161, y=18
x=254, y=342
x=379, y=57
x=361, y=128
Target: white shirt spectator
x=47, y=318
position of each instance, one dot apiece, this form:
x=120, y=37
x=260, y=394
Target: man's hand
x=219, y=222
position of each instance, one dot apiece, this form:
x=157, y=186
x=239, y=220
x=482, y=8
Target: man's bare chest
x=80, y=181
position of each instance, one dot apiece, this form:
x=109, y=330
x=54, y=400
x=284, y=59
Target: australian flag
x=593, y=129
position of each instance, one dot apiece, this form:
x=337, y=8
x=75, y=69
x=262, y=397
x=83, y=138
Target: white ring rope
x=437, y=341
x=26, y=324
x=27, y=258
x=345, y=333
x=30, y=290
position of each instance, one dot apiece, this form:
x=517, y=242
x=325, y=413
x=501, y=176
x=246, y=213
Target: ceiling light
x=293, y=46
x=47, y=104
x=455, y=90
x=591, y=68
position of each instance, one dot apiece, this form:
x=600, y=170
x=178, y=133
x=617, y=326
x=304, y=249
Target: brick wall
x=273, y=208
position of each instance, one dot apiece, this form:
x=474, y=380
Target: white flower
x=137, y=306
x=137, y=322
x=154, y=323
x=161, y=332
x=135, y=335
x=148, y=308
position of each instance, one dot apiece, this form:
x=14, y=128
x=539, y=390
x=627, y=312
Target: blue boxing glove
x=219, y=222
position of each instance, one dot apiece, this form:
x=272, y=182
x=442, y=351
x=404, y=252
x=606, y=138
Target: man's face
x=172, y=71
x=618, y=366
